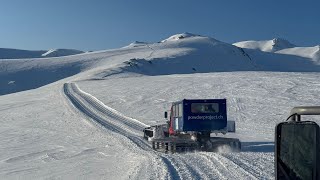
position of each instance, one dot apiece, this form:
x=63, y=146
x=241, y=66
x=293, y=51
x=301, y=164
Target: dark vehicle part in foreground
x=297, y=146
x=190, y=125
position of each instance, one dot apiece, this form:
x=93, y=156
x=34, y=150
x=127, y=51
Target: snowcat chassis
x=214, y=144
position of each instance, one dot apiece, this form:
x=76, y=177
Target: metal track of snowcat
x=172, y=145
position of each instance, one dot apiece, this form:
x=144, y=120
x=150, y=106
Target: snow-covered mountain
x=200, y=54
x=281, y=46
x=6, y=53
x=307, y=52
x=179, y=54
x=82, y=115
x=273, y=45
x=187, y=53
x=177, y=37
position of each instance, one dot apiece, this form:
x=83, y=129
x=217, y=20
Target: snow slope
x=24, y=74
x=84, y=119
x=44, y=137
x=307, y=52
x=198, y=54
x=191, y=54
x=273, y=45
x=6, y=53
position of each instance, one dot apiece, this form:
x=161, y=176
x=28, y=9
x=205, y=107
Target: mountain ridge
x=190, y=54
x=10, y=53
x=273, y=45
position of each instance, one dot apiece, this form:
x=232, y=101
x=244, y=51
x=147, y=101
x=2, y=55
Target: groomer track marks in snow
x=164, y=166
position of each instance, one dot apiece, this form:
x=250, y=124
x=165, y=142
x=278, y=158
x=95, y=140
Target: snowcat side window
x=180, y=110
x=177, y=111
x=173, y=111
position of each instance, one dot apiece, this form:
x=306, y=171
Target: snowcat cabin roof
x=200, y=101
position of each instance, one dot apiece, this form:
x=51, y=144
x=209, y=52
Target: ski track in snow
x=103, y=116
x=198, y=165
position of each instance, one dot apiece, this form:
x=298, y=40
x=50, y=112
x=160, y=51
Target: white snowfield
x=81, y=116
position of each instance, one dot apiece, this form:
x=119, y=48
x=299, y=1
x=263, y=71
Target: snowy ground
x=256, y=100
x=87, y=124
x=48, y=138
x=55, y=140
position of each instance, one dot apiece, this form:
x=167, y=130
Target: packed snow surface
x=82, y=116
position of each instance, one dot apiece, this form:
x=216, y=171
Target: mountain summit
x=273, y=45
x=180, y=36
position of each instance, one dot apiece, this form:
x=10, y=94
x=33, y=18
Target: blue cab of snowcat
x=199, y=115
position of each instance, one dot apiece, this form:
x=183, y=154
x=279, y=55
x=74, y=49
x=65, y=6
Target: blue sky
x=103, y=24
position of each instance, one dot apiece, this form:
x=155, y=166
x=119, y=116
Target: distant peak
x=282, y=43
x=279, y=39
x=272, y=45
x=60, y=52
x=186, y=34
x=136, y=44
x=180, y=36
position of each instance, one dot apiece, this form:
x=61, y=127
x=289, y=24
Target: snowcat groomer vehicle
x=190, y=127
